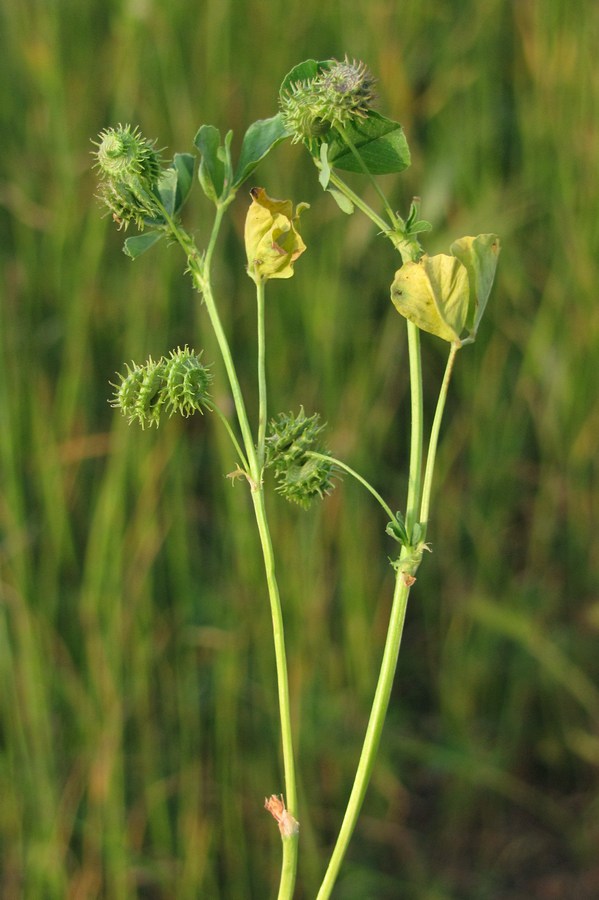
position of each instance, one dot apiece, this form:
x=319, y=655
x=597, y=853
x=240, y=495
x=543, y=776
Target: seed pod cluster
x=178, y=383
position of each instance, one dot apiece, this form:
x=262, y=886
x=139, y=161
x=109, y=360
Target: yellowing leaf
x=479, y=254
x=272, y=241
x=433, y=293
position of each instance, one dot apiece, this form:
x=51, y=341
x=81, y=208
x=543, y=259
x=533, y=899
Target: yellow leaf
x=272, y=241
x=433, y=293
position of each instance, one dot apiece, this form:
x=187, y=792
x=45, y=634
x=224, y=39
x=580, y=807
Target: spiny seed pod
x=349, y=87
x=140, y=393
x=300, y=477
x=179, y=382
x=340, y=94
x=303, y=112
x=129, y=168
x=151, y=395
x=124, y=155
x=127, y=391
x=187, y=382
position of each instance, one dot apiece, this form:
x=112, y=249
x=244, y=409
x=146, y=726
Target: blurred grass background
x=138, y=722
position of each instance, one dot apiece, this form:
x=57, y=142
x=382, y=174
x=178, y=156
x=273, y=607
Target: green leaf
x=167, y=189
x=343, y=202
x=304, y=71
x=380, y=142
x=215, y=166
x=420, y=226
x=183, y=164
x=418, y=533
x=479, y=255
x=135, y=246
x=258, y=140
x=397, y=530
x=325, y=170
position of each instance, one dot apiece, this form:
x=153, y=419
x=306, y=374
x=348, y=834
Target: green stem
x=396, y=223
x=415, y=474
x=214, y=408
x=373, y=734
x=394, y=632
x=263, y=407
x=408, y=247
x=200, y=271
x=434, y=438
x=360, y=204
x=341, y=465
x=290, y=844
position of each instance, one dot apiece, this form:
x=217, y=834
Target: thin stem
x=263, y=406
x=200, y=271
x=415, y=474
x=396, y=224
x=394, y=632
x=373, y=733
x=434, y=438
x=214, y=408
x=290, y=844
x=201, y=275
x=341, y=465
x=408, y=247
x=360, y=204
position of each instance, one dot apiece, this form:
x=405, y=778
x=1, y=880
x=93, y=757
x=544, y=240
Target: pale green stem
x=396, y=223
x=415, y=474
x=408, y=247
x=394, y=632
x=358, y=202
x=434, y=438
x=200, y=270
x=341, y=465
x=290, y=844
x=263, y=405
x=373, y=734
x=409, y=250
x=214, y=408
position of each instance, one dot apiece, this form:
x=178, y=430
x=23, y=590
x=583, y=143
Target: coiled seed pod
x=127, y=391
x=129, y=167
x=300, y=477
x=187, y=382
x=124, y=156
x=151, y=395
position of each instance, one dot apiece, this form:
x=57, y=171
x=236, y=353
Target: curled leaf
x=272, y=241
x=433, y=293
x=447, y=295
